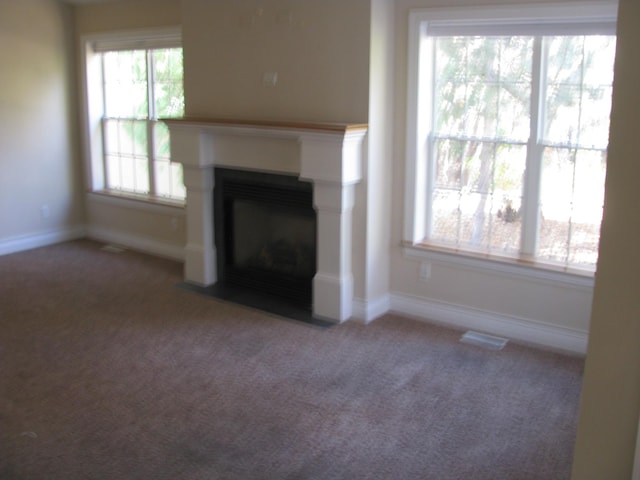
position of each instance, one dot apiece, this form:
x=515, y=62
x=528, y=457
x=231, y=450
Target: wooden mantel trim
x=270, y=124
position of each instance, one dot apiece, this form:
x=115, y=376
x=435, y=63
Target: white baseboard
x=514, y=328
x=137, y=242
x=367, y=311
x=42, y=239
x=457, y=316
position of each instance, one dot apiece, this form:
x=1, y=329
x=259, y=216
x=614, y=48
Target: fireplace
x=265, y=227
x=328, y=155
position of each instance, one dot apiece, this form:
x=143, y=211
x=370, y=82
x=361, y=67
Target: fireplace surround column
x=330, y=156
x=200, y=251
x=192, y=147
x=333, y=164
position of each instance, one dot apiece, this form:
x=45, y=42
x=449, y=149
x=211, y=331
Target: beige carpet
x=109, y=371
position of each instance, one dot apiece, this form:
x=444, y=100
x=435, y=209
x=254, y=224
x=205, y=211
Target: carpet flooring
x=108, y=370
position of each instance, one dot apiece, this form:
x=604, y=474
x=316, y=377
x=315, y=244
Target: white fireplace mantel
x=329, y=155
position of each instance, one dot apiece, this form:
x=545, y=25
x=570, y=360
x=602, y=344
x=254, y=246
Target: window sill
x=520, y=269
x=138, y=202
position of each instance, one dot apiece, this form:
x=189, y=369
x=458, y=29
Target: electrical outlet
x=425, y=272
x=44, y=210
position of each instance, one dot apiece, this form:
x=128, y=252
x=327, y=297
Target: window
x=508, y=131
x=134, y=80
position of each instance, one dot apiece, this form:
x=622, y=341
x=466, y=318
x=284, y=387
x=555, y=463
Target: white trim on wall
x=367, y=311
x=41, y=239
x=518, y=329
x=134, y=242
x=455, y=316
x=523, y=330
x=137, y=242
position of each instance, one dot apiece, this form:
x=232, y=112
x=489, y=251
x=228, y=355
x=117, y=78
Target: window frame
x=93, y=108
x=540, y=19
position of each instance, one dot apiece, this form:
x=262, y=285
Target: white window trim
x=91, y=99
x=600, y=16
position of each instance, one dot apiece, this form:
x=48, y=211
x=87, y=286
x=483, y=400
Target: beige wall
x=131, y=14
x=611, y=394
x=39, y=165
x=319, y=49
x=159, y=230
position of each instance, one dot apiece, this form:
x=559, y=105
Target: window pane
x=141, y=175
x=140, y=86
x=169, y=102
x=571, y=205
x=162, y=145
x=127, y=174
x=484, y=130
x=478, y=194
x=168, y=85
x=126, y=155
x=178, y=189
x=483, y=86
x=113, y=172
x=449, y=156
x=578, y=90
x=445, y=216
x=169, y=180
x=125, y=84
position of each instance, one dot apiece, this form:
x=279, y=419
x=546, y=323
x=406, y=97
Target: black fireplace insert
x=265, y=233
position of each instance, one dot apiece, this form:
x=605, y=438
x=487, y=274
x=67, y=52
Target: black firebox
x=265, y=233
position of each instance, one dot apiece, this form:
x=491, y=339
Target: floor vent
x=112, y=249
x=482, y=340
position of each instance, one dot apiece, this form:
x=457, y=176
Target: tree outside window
x=506, y=108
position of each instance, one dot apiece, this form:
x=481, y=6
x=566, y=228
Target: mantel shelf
x=319, y=127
